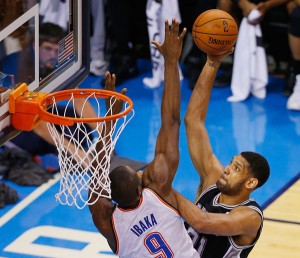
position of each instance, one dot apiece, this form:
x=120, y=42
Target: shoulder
x=102, y=211
x=250, y=223
x=248, y=214
x=169, y=201
x=102, y=208
x=208, y=193
x=156, y=174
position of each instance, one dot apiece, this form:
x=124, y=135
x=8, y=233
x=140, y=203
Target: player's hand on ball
x=219, y=58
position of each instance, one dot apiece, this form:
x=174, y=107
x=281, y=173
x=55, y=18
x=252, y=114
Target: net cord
x=80, y=167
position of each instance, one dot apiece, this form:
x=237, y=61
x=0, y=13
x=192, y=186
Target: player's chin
x=221, y=183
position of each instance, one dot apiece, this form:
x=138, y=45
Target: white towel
x=250, y=70
x=156, y=14
x=56, y=12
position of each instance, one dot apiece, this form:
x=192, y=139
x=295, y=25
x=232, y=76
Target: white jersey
x=152, y=229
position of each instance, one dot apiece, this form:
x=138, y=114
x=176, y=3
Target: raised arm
x=207, y=165
x=102, y=209
x=161, y=171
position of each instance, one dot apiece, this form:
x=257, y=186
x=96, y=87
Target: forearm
x=263, y=7
x=168, y=135
x=171, y=95
x=246, y=6
x=190, y=212
x=198, y=140
x=273, y=3
x=199, y=101
x=202, y=221
x=225, y=5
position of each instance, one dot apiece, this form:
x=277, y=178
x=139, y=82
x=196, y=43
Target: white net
x=84, y=167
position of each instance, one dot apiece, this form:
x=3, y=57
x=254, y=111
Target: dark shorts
x=32, y=143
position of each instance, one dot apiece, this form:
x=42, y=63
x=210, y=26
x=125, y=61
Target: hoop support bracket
x=28, y=108
x=24, y=108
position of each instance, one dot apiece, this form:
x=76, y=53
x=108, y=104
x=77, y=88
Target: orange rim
x=47, y=100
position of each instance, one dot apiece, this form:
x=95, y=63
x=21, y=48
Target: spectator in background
x=157, y=11
x=291, y=89
x=250, y=67
x=294, y=40
x=55, y=11
x=195, y=59
x=274, y=11
x=98, y=65
x=292, y=80
x=125, y=19
x=50, y=35
x=17, y=45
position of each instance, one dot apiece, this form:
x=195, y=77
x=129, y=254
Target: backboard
x=43, y=43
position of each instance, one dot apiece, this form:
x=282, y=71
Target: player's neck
x=131, y=205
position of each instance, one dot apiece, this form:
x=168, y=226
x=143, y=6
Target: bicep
x=157, y=172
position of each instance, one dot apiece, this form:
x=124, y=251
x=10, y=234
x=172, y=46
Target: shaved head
x=125, y=185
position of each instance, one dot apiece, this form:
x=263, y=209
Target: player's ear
x=251, y=183
x=139, y=190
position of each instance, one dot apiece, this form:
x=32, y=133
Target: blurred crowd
x=127, y=28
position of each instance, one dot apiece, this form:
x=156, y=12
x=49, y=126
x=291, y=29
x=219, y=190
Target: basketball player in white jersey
x=143, y=220
x=224, y=223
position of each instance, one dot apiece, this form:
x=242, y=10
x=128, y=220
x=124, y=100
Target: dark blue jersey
x=212, y=246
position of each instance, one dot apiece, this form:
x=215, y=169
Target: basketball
x=215, y=32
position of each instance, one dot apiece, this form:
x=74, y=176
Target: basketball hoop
x=77, y=143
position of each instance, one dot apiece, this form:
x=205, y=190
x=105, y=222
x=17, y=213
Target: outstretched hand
x=172, y=46
x=110, y=84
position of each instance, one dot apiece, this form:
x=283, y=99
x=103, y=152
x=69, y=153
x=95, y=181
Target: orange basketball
x=215, y=32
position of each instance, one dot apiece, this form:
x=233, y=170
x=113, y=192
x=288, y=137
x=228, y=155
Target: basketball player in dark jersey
x=224, y=222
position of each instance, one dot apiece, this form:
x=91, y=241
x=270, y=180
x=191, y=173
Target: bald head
x=125, y=185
